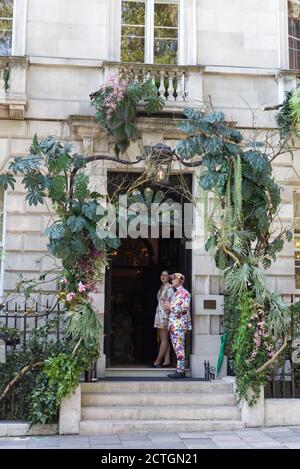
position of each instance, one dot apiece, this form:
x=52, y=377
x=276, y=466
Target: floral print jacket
x=180, y=316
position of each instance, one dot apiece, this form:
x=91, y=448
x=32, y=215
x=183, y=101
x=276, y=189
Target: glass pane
x=165, y=51
x=132, y=49
x=166, y=33
x=133, y=13
x=5, y=42
x=133, y=35
x=166, y=15
x=6, y=8
x=133, y=31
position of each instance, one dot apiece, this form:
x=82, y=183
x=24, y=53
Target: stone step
x=169, y=412
x=156, y=398
x=164, y=386
x=92, y=427
x=138, y=372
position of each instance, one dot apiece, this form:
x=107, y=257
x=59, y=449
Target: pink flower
x=81, y=287
x=70, y=296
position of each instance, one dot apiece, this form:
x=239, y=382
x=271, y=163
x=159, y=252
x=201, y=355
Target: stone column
x=70, y=414
x=208, y=304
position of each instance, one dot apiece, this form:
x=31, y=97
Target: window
x=294, y=33
x=6, y=26
x=150, y=31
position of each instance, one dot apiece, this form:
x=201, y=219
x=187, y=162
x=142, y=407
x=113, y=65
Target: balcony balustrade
x=180, y=86
x=13, y=99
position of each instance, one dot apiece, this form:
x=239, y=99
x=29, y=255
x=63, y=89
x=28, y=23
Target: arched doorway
x=131, y=284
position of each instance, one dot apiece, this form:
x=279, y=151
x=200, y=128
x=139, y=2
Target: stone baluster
x=171, y=96
x=162, y=89
x=179, y=88
x=140, y=75
x=136, y=76
x=185, y=86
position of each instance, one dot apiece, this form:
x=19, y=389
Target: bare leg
x=164, y=348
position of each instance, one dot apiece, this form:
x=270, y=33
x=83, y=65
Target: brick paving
x=252, y=438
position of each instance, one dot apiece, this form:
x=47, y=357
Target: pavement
x=252, y=438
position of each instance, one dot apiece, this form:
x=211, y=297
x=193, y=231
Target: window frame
x=149, y=28
x=291, y=37
x=11, y=20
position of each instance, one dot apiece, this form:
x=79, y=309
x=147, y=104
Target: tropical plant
x=116, y=104
x=288, y=117
x=53, y=172
x=240, y=239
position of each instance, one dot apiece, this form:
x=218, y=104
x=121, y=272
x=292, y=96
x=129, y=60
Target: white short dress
x=161, y=316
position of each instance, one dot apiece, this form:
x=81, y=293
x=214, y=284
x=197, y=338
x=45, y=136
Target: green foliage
x=284, y=117
x=82, y=322
x=116, y=106
x=37, y=348
x=289, y=116
x=240, y=178
x=295, y=109
x=253, y=346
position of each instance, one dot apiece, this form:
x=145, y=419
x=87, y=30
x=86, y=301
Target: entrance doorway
x=131, y=285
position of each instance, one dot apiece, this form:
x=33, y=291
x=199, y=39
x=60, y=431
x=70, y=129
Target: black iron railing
x=284, y=379
x=28, y=319
x=18, y=326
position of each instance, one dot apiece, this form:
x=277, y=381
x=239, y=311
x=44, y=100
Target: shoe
x=166, y=366
x=179, y=375
x=156, y=366
x=171, y=375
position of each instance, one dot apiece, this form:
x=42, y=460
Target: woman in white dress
x=161, y=321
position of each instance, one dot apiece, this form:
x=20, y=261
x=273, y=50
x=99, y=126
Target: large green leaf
x=35, y=197
x=7, y=180
x=258, y=162
x=57, y=190
x=76, y=224
x=208, y=180
x=112, y=243
x=22, y=165
x=89, y=209
x=131, y=131
x=81, y=183
x=129, y=112
x=213, y=145
x=186, y=149
x=78, y=247
x=56, y=231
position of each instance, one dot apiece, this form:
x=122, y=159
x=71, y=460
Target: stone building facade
x=241, y=54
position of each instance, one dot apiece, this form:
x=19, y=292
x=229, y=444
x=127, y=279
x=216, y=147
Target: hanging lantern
x=161, y=160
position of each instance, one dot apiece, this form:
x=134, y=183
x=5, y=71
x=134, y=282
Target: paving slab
x=196, y=435
x=105, y=440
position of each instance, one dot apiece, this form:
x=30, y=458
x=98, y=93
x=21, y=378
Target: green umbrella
x=222, y=351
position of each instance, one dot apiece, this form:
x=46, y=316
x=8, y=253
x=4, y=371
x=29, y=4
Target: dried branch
x=19, y=376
